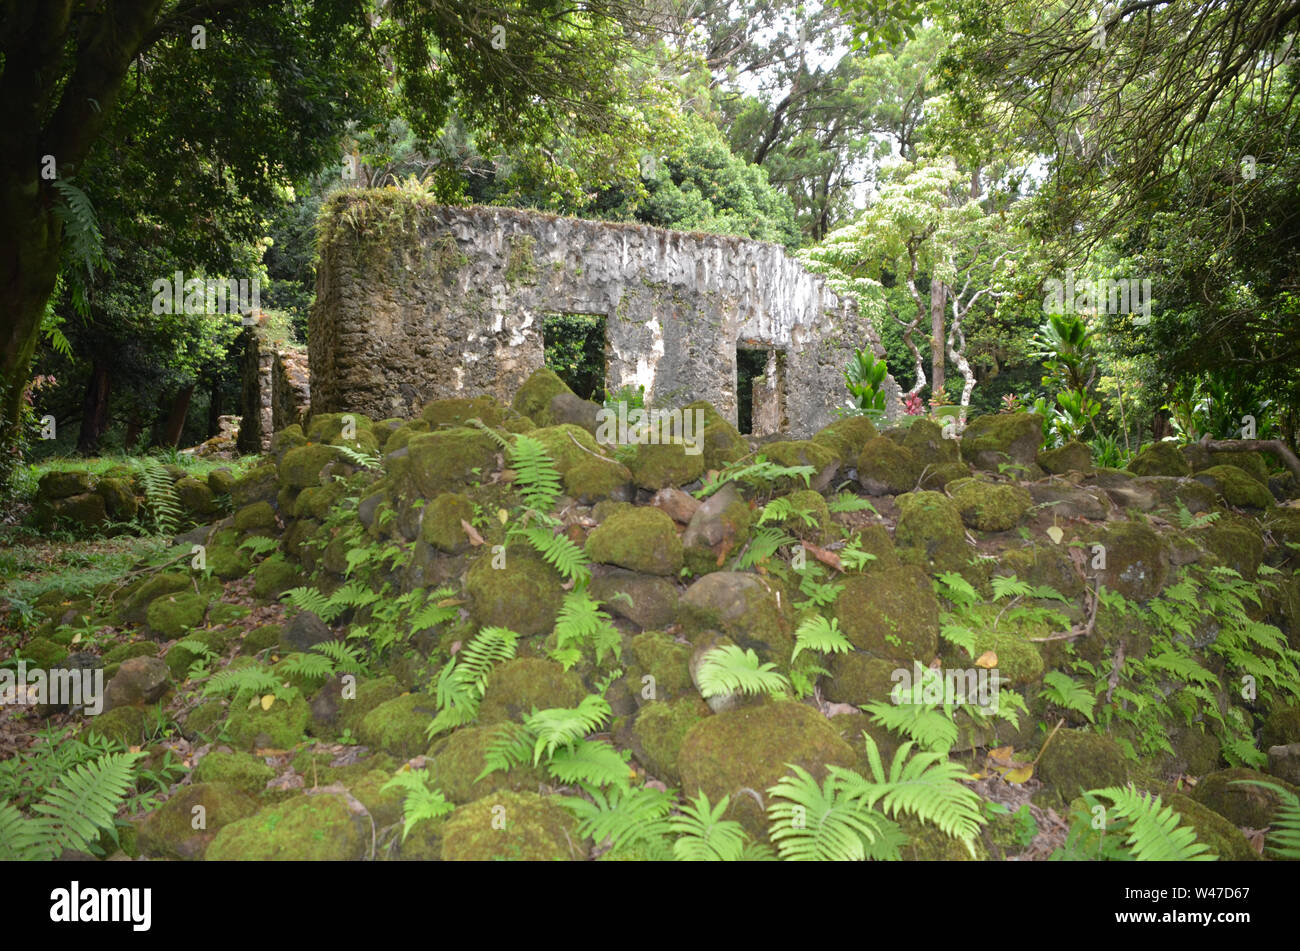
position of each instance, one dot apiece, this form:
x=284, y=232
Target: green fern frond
x=244, y=683
x=924, y=723
x=536, y=477
x=1284, y=830
x=344, y=658
x=1154, y=833
x=309, y=599
x=421, y=803
x=592, y=762
x=160, y=497
x=703, y=835
x=313, y=668
x=820, y=823
x=259, y=544
x=359, y=457
x=496, y=437
x=1066, y=692
x=848, y=502
x=563, y=726
x=623, y=816
x=581, y=624
x=1011, y=586
x=560, y=551
x=730, y=669
x=763, y=544
x=817, y=633
x=80, y=806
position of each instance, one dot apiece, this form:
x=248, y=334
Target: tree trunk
x=176, y=413
x=94, y=410
x=938, y=295
x=214, y=407
x=133, y=426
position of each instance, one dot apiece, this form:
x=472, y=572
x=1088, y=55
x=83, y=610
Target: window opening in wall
x=575, y=350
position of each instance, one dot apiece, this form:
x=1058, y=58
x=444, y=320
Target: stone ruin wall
x=276, y=390
x=417, y=302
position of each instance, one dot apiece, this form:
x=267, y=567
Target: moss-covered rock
x=587, y=472
x=305, y=828
x=659, y=466
x=445, y=461
x=273, y=577
x=996, y=438
x=126, y=651
x=990, y=506
x=719, y=526
x=205, y=720
x=1281, y=726
x=1236, y=486
x=522, y=594
x=511, y=826
x=931, y=524
x=255, y=485
x=1223, y=838
x=517, y=686
x=810, y=519
x=195, y=497
x=441, y=527
x=1250, y=806
x=846, y=437
x=1249, y=462
x=1019, y=661
x=802, y=452
x=119, y=498
x=1160, y=459
x=261, y=638
x=44, y=653
x=891, y=613
x=925, y=440
x=399, y=726
x=648, y=601
x=459, y=411
x=229, y=563
x=257, y=517
x=661, y=657
x=121, y=725
x=640, y=539
x=533, y=398
x=858, y=678
x=301, y=467
x=928, y=843
x=1048, y=565
x=1074, y=456
x=659, y=731
x=743, y=608
x=221, y=481
x=169, y=831
x=243, y=771
x=1137, y=560
x=1236, y=543
x=875, y=540
x=753, y=747
x=370, y=693
x=1078, y=760
x=80, y=512
x=61, y=484
x=170, y=615
x=279, y=728
x=722, y=442
x=456, y=763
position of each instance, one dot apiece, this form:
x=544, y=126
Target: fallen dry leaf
x=471, y=533
x=988, y=660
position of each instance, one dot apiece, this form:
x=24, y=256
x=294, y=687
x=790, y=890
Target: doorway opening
x=760, y=390
x=575, y=349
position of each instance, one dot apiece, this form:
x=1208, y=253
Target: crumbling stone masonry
x=276, y=391
x=417, y=301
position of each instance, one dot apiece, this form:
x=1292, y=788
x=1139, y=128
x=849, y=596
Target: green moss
x=641, y=539
x=370, y=693
x=1002, y=437
x=44, y=653
x=886, y=468
x=1078, y=760
x=243, y=771
x=858, y=678
x=1251, y=463
x=119, y=498
x=801, y=452
x=891, y=613
x=516, y=687
x=228, y=563
x=126, y=651
x=260, y=484
x=301, y=467
x=399, y=726
x=524, y=596
x=927, y=843
x=168, y=832
x=1281, y=726
x=83, y=512
x=1137, y=563
x=875, y=540
x=134, y=601
x=1019, y=661
x=661, y=728
x=722, y=442
x=753, y=747
x=1248, y=806
x=121, y=725
x=260, y=638
x=656, y=467
x=735, y=521
x=328, y=428
x=456, y=763
x=384, y=805
x=279, y=728
x=931, y=524
x=990, y=507
x=400, y=436
x=533, y=398
x=221, y=481
x=256, y=517
x=1042, y=565
x=521, y=260
x=1160, y=459
x=924, y=439
x=60, y=484
x=511, y=826
x=459, y=411
x=273, y=577
x=1237, y=543
x=1074, y=456
x=659, y=656
x=305, y=828
x=448, y=459
x=846, y=437
x=1223, y=838
x=180, y=658
x=587, y=473
x=440, y=525
x=743, y=608
x=205, y=720
x=811, y=503
x=172, y=614
x=1236, y=486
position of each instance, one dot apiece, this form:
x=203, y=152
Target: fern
x=923, y=722
x=309, y=599
x=1153, y=830
x=558, y=550
x=825, y=823
x=1066, y=692
x=160, y=496
x=313, y=668
x=420, y=803
x=1284, y=835
x=563, y=726
x=556, y=738
x=246, y=683
x=84, y=247
x=779, y=510
x=848, y=502
x=259, y=544
x=536, y=478
x=819, y=634
x=74, y=812
x=496, y=437
x=580, y=624
x=463, y=679
x=763, y=544
x=760, y=473
x=342, y=657
x=623, y=816
x=730, y=669
x=593, y=762
x=439, y=607
x=704, y=836
x=360, y=458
